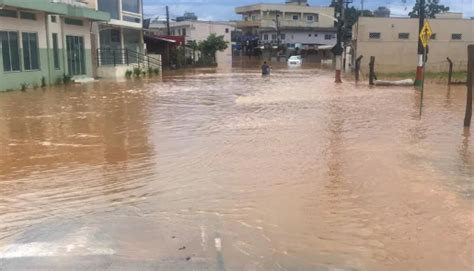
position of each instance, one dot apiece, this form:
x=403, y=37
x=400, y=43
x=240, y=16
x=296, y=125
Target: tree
x=382, y=12
x=194, y=46
x=211, y=46
x=432, y=7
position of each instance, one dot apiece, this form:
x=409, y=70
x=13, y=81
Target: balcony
x=284, y=23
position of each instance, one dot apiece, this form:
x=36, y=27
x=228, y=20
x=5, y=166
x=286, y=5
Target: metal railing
x=115, y=57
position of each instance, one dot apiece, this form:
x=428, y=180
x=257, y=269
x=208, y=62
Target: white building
x=199, y=31
x=295, y=21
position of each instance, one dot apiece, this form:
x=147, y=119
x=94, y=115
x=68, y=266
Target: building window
x=254, y=18
x=315, y=35
x=274, y=36
x=131, y=6
x=10, y=51
x=403, y=36
x=283, y=36
x=456, y=36
x=433, y=36
x=30, y=51
x=328, y=36
x=8, y=13
x=375, y=35
x=296, y=17
x=227, y=30
x=110, y=6
x=53, y=19
x=309, y=35
x=56, y=51
x=310, y=18
x=28, y=16
x=184, y=31
x=131, y=19
x=265, y=37
x=73, y=22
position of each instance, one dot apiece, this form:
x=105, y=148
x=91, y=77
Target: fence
x=453, y=72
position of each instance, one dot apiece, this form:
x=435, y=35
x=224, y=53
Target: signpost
x=425, y=36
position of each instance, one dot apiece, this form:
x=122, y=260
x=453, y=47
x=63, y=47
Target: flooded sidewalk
x=226, y=170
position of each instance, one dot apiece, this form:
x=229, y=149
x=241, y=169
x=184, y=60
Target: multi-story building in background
x=294, y=23
x=191, y=30
x=41, y=41
x=120, y=40
x=385, y=38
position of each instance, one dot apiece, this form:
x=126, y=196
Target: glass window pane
x=131, y=6
x=56, y=51
x=14, y=51
x=26, y=51
x=5, y=51
x=110, y=6
x=34, y=54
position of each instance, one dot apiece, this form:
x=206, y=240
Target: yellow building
x=394, y=42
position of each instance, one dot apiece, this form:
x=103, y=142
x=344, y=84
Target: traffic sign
x=425, y=34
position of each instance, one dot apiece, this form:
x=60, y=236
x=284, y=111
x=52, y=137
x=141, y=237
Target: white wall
x=302, y=37
x=22, y=25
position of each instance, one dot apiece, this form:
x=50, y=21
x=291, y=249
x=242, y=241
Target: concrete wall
x=43, y=25
x=400, y=55
x=13, y=80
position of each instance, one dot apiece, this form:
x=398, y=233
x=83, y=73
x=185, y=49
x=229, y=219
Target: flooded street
x=226, y=170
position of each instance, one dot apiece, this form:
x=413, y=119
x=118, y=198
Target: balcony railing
x=270, y=23
x=79, y=3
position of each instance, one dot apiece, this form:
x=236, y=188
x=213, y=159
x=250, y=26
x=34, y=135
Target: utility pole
x=277, y=20
x=421, y=49
x=338, y=49
x=168, y=21
x=470, y=85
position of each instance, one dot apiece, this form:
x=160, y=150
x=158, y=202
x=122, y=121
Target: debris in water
x=182, y=248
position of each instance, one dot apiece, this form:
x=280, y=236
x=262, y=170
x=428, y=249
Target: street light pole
x=338, y=49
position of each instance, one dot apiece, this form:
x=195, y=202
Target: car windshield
x=295, y=58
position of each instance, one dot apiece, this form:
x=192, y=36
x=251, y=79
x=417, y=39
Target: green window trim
x=10, y=43
x=73, y=22
x=8, y=13
x=30, y=51
x=28, y=16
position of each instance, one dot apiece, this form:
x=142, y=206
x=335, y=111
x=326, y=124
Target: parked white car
x=295, y=61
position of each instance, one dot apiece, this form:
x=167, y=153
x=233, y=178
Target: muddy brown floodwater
x=226, y=170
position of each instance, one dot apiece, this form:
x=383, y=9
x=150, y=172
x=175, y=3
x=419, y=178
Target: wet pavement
x=226, y=170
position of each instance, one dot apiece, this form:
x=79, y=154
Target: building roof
x=58, y=8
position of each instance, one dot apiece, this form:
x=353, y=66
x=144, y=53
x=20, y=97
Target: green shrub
x=35, y=86
x=128, y=74
x=150, y=71
x=43, y=82
x=66, y=79
x=137, y=72
x=156, y=71
x=24, y=86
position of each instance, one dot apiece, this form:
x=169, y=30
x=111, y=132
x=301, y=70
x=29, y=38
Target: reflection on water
x=226, y=170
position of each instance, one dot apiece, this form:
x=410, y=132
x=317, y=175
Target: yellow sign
x=425, y=34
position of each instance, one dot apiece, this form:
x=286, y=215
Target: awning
x=58, y=8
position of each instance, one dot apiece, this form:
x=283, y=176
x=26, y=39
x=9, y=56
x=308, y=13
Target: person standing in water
x=266, y=69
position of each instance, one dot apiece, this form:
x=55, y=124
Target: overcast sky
x=224, y=9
